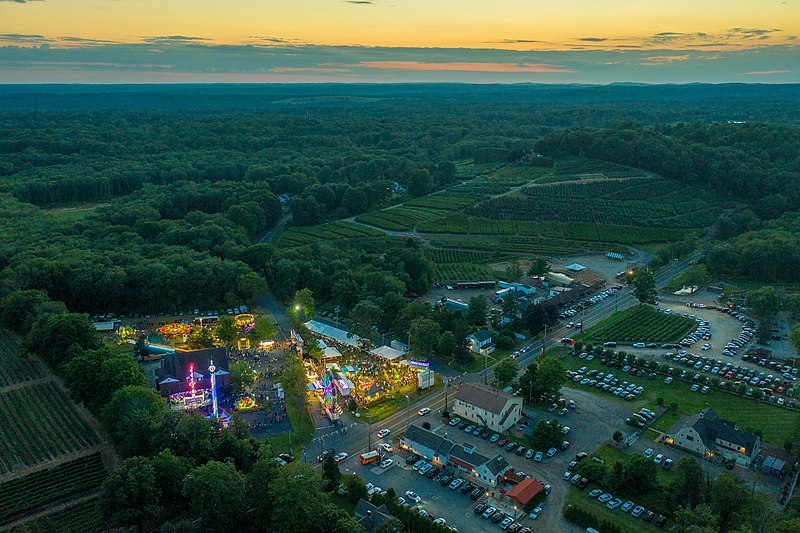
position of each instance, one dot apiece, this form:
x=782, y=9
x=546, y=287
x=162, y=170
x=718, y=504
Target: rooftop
x=710, y=428
x=487, y=398
x=525, y=490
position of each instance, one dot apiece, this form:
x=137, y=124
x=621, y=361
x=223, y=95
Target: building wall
x=489, y=419
x=689, y=439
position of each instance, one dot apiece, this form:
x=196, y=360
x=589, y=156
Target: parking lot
x=437, y=500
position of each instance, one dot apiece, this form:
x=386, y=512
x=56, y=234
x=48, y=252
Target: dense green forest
x=171, y=205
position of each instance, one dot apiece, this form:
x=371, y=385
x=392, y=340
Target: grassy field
x=302, y=235
x=302, y=431
x=514, y=245
x=775, y=422
x=640, y=323
x=612, y=455
x=397, y=402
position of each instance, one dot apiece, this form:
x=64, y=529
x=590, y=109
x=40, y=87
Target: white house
x=495, y=409
x=481, y=342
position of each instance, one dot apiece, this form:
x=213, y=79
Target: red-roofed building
x=525, y=491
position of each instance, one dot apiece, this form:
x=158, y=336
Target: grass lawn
x=302, y=431
x=612, y=455
x=397, y=402
x=117, y=348
x=639, y=323
x=776, y=422
x=624, y=521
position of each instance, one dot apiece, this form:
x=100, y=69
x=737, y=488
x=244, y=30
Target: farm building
x=706, y=435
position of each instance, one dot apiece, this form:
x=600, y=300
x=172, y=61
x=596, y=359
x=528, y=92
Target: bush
x=586, y=518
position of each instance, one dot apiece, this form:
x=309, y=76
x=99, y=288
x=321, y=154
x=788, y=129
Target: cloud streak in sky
x=36, y=58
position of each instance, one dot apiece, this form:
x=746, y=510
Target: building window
x=690, y=438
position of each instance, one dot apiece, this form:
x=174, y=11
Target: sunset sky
x=483, y=41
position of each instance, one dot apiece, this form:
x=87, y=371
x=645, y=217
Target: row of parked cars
x=506, y=522
x=636, y=511
x=605, y=382
x=659, y=459
x=424, y=468
x=769, y=384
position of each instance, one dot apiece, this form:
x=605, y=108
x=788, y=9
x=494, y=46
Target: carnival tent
x=387, y=352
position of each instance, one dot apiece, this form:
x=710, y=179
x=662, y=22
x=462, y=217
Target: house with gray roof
x=704, y=434
x=441, y=451
x=372, y=518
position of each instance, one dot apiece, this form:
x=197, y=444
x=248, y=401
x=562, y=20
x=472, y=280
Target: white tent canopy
x=331, y=353
x=575, y=267
x=331, y=332
x=387, y=352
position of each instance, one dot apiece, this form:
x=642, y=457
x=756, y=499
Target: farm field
x=48, y=450
x=415, y=211
x=84, y=516
x=22, y=495
x=775, y=422
x=302, y=235
x=640, y=323
x=649, y=202
x=515, y=245
x=13, y=368
x=463, y=265
x=40, y=423
x=588, y=232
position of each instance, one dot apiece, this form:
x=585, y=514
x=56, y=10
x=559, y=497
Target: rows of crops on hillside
x=400, y=218
x=640, y=323
x=580, y=231
x=39, y=422
x=442, y=201
x=451, y=272
x=13, y=367
x=591, y=166
x=690, y=214
x=517, y=245
x=21, y=495
x=463, y=256
x=302, y=235
x=84, y=516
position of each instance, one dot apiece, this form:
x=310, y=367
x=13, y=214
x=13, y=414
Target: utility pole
x=530, y=390
x=408, y=405
x=446, y=383
x=544, y=341
x=485, y=369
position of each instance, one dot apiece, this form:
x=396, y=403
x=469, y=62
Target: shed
x=525, y=491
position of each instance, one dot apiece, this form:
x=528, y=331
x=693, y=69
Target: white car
x=341, y=456
x=648, y=452
x=441, y=521
x=424, y=411
x=565, y=430
x=388, y=448
x=413, y=496
x=535, y=513
x=658, y=459
x=386, y=463
x=374, y=490
x=382, y=433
